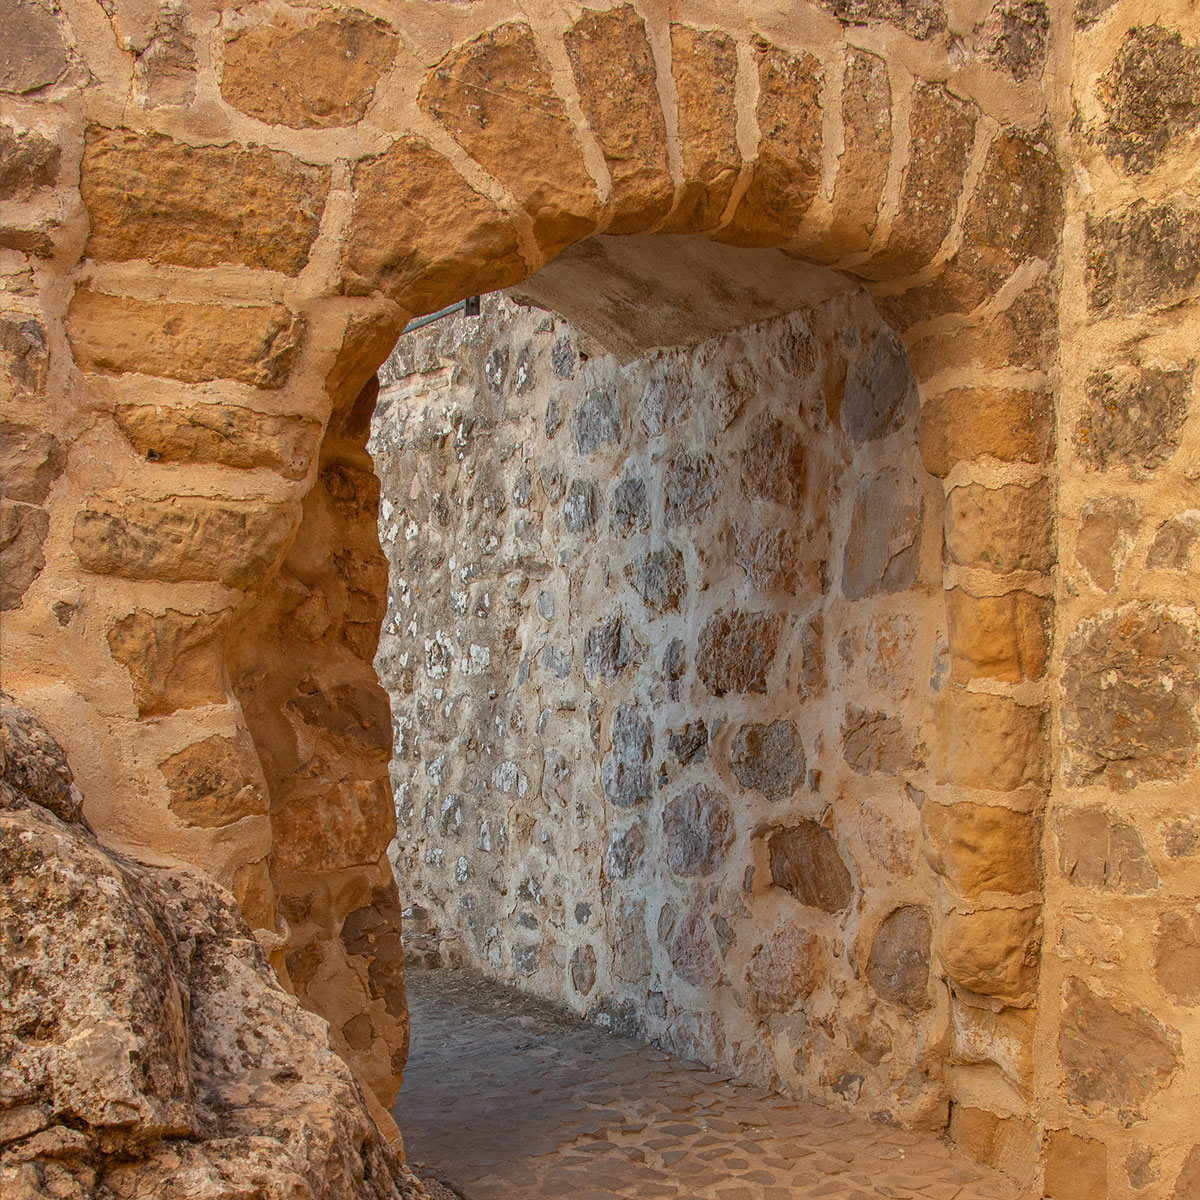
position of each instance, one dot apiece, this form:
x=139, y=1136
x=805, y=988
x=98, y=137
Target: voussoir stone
x=1009, y=528
x=1013, y=426
x=190, y=342
x=989, y=742
x=236, y=542
x=614, y=70
x=981, y=848
x=313, y=76
x=867, y=140
x=495, y=95
x=198, y=206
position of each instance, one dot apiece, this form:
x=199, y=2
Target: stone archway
x=239, y=262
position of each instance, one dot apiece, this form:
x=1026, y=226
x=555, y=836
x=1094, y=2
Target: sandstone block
x=768, y=758
x=237, y=542
x=1076, y=1167
x=883, y=550
x=28, y=161
x=353, y=719
x=989, y=741
x=220, y=433
x=34, y=54
x=1177, y=955
x=659, y=578
x=698, y=831
x=691, y=950
x=1009, y=528
x=898, y=967
x=23, y=529
x=213, y=783
x=704, y=64
x=862, y=171
x=191, y=342
x=495, y=95
x=199, y=206
x=994, y=952
x=805, y=861
x=1009, y=1143
x=174, y=658
x=787, y=170
x=1133, y=418
x=372, y=931
x=1143, y=257
x=314, y=76
x=1013, y=426
x=980, y=848
x=736, y=650
x=1003, y=1038
x=346, y=824
x=1131, y=684
x=618, y=89
x=1113, y=1058
x=786, y=969
x=773, y=463
x=1098, y=850
x=422, y=235
x=1150, y=95
x=997, y=637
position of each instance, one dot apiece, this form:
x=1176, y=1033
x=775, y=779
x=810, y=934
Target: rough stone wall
x=664, y=643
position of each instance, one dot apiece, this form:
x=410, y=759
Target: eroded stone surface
x=805, y=861
x=898, y=967
x=698, y=829
x=768, y=758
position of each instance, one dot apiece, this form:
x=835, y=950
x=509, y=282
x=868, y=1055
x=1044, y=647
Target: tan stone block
x=993, y=952
x=942, y=129
x=422, y=235
x=704, y=63
x=174, y=658
x=1009, y=528
x=787, y=169
x=319, y=76
x=236, y=542
x=997, y=637
x=198, y=206
x=617, y=81
x=1076, y=1167
x=862, y=171
x=989, y=741
x=191, y=342
x=347, y=825
x=495, y=95
x=34, y=52
x=220, y=433
x=958, y=426
x=214, y=782
x=1004, y=1038
x=981, y=848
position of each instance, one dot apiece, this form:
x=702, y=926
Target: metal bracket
x=468, y=307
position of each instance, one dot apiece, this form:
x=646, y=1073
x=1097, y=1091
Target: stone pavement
x=507, y=1097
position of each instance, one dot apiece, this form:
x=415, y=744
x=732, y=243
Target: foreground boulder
x=147, y=1049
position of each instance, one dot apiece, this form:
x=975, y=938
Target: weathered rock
x=614, y=70
x=666, y=399
x=691, y=485
x=317, y=75
x=875, y=742
x=1076, y=1167
x=1176, y=544
x=659, y=578
x=698, y=831
x=690, y=744
x=881, y=394
x=1113, y=1057
x=1003, y=1038
x=495, y=96
x=583, y=969
x=1177, y=955
x=1009, y=528
x=23, y=529
x=630, y=508
x=191, y=342
x=185, y=537
x=30, y=461
x=1014, y=36
x=704, y=64
x=987, y=741
x=165, y=69
x=610, y=649
x=994, y=952
x=883, y=550
x=146, y=1032
x=775, y=559
x=980, y=848
x=422, y=235
x=923, y=19
x=1133, y=419
x=997, y=637
x=174, y=658
x=34, y=54
x=1104, y=538
x=1150, y=95
x=1013, y=426
x=786, y=969
x=28, y=161
x=691, y=950
x=625, y=772
x=25, y=357
x=768, y=758
x=632, y=957
x=1131, y=682
x=220, y=433
x=33, y=768
x=736, y=650
x=1145, y=256
x=773, y=463
x=199, y=206
x=580, y=506
x=898, y=967
x=1098, y=850
x=213, y=783
x=862, y=171
x=596, y=422
x=623, y=854
x=805, y=861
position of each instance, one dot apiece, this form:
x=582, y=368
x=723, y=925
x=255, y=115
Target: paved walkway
x=508, y=1098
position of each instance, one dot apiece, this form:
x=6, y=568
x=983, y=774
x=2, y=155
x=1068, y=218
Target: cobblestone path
x=508, y=1098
